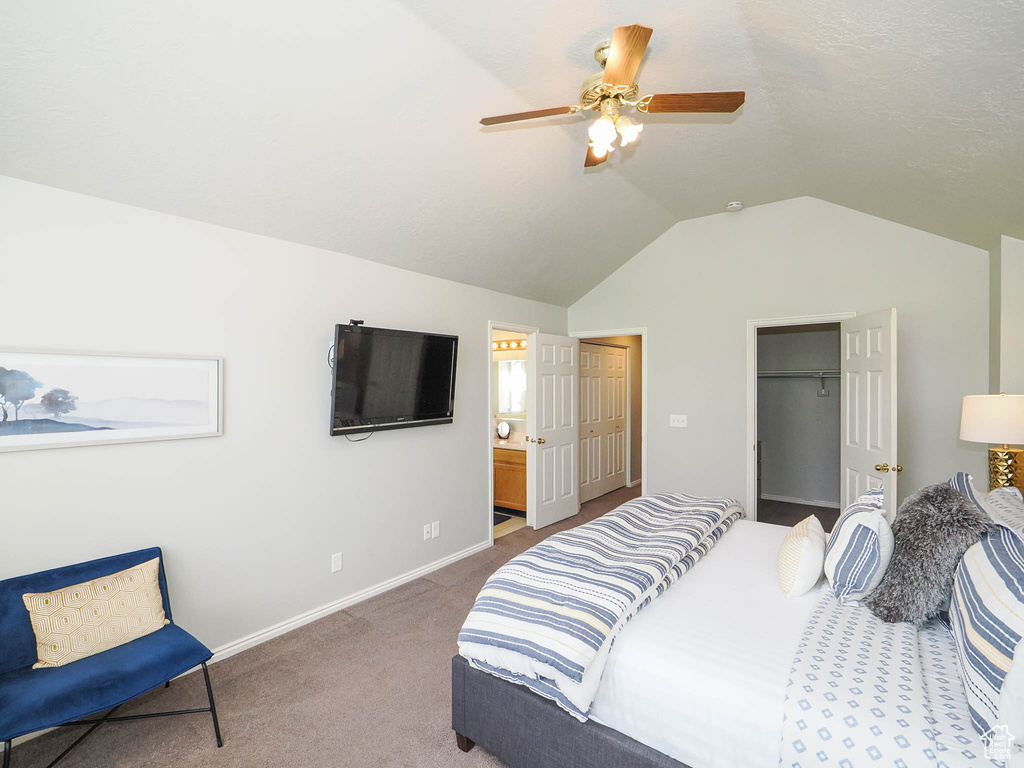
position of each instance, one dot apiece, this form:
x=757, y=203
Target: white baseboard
x=283, y=627
x=256, y=638
x=635, y=483
x=794, y=500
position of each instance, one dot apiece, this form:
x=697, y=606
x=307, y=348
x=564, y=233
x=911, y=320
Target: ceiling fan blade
x=628, y=46
x=723, y=101
x=593, y=159
x=526, y=115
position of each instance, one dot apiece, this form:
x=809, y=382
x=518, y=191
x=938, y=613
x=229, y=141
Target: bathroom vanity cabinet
x=510, y=478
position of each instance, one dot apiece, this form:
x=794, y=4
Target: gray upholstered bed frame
x=528, y=731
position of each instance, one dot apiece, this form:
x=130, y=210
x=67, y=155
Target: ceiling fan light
x=630, y=131
x=602, y=131
x=600, y=150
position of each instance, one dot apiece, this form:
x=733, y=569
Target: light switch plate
x=336, y=562
x=426, y=532
x=435, y=530
x=676, y=420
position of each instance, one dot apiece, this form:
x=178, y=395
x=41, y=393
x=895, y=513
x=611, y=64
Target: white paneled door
x=868, y=367
x=552, y=426
x=602, y=420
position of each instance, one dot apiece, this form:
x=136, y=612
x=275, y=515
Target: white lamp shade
x=993, y=419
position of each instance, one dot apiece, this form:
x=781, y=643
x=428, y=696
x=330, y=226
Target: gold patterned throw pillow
x=802, y=557
x=85, y=619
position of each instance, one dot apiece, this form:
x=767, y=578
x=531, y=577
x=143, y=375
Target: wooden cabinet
x=510, y=479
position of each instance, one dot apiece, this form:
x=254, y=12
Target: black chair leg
x=94, y=725
x=213, y=707
x=7, y=754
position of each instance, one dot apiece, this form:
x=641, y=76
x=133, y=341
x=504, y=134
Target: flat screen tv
x=388, y=379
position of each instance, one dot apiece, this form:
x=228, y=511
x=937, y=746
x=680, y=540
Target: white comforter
x=701, y=673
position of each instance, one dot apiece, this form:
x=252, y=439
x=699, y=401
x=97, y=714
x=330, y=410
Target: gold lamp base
x=1006, y=468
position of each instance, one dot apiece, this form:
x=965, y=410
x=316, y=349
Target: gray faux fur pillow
x=933, y=529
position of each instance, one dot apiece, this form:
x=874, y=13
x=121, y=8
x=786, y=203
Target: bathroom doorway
x=508, y=404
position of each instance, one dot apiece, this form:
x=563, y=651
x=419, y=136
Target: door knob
x=882, y=467
x=541, y=440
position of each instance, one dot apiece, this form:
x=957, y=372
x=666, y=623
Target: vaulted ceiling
x=354, y=126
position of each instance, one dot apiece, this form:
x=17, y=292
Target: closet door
x=868, y=369
x=603, y=434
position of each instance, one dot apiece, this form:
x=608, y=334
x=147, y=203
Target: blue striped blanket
x=547, y=618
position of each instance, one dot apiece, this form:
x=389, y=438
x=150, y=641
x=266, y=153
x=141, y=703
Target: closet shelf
x=815, y=374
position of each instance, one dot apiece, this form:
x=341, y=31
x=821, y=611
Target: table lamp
x=997, y=419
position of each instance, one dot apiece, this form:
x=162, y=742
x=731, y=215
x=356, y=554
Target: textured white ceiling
x=354, y=126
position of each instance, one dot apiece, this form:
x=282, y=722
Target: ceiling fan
x=608, y=91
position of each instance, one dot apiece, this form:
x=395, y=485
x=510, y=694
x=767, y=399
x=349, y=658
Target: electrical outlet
x=336, y=562
x=426, y=532
x=676, y=421
x=435, y=530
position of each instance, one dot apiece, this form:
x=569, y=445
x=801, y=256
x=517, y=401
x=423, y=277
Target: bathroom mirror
x=511, y=387
x=504, y=430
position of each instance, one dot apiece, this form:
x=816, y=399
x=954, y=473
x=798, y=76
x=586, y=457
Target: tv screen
x=388, y=379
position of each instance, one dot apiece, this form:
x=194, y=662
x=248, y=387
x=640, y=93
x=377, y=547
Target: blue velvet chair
x=34, y=699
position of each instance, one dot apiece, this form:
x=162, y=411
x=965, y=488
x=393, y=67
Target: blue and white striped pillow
x=964, y=483
x=986, y=613
x=1004, y=506
x=859, y=548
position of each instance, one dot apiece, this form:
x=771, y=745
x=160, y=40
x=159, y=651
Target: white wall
x=695, y=287
x=1011, y=312
x=248, y=521
x=797, y=429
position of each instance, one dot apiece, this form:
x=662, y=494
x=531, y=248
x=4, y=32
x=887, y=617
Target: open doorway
x=509, y=399
x=799, y=423
x=611, y=414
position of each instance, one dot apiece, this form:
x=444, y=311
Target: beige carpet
x=368, y=686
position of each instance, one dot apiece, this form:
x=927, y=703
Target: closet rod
x=799, y=374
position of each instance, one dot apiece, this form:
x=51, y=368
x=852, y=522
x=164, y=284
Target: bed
x=722, y=669
x=701, y=674
x=677, y=690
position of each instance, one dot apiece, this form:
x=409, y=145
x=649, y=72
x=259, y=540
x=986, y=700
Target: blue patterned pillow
x=986, y=613
x=1006, y=506
x=859, y=548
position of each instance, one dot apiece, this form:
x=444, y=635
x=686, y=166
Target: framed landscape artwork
x=53, y=400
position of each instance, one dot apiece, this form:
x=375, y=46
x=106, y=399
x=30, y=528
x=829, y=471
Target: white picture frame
x=64, y=399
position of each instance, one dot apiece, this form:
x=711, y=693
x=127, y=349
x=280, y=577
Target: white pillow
x=801, y=557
